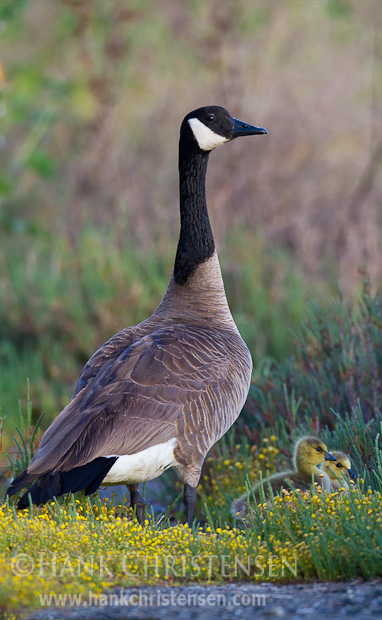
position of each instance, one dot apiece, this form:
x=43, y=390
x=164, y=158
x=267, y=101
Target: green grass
x=81, y=547
x=293, y=538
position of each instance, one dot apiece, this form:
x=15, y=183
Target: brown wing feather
x=137, y=400
x=101, y=358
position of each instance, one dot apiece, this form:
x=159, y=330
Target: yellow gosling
x=339, y=471
x=307, y=454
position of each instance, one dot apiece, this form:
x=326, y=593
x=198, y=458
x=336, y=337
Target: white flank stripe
x=205, y=137
x=145, y=465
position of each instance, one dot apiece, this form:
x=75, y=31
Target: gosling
x=337, y=471
x=307, y=454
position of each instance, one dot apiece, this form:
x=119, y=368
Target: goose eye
x=210, y=118
x=338, y=465
x=319, y=449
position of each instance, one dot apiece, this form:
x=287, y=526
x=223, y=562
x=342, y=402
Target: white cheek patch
x=205, y=137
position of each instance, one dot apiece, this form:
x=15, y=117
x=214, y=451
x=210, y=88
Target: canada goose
x=307, y=454
x=339, y=470
x=161, y=393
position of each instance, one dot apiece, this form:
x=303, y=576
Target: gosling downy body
x=307, y=454
x=161, y=393
x=339, y=471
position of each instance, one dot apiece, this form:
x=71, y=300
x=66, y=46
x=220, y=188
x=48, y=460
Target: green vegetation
x=337, y=365
x=95, y=546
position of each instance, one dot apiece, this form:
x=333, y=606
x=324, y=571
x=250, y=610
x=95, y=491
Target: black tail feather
x=86, y=477
x=95, y=484
x=21, y=481
x=79, y=478
x=38, y=495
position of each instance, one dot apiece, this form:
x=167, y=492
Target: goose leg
x=189, y=499
x=137, y=502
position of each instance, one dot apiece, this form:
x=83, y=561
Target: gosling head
x=206, y=128
x=340, y=468
x=310, y=452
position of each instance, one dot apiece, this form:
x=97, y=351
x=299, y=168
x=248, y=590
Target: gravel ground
x=333, y=601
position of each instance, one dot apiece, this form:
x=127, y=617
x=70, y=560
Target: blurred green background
x=92, y=96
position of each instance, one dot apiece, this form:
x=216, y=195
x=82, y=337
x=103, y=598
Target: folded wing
x=135, y=401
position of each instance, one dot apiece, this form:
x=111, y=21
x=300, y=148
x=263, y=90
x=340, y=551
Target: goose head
x=310, y=452
x=206, y=128
x=340, y=468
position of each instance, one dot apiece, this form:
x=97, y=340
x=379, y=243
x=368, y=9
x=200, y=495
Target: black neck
x=196, y=243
